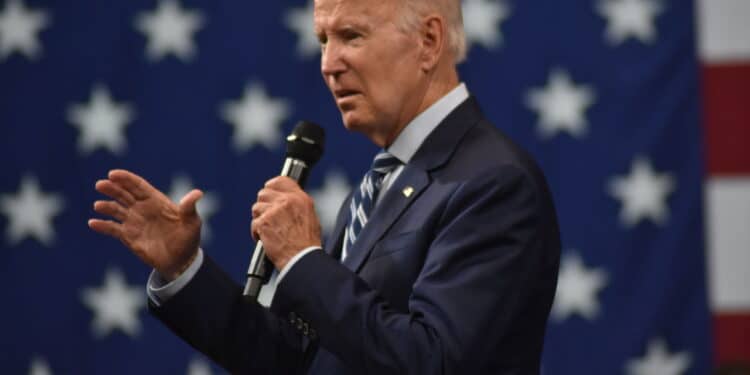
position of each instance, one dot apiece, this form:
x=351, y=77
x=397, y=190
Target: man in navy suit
x=443, y=261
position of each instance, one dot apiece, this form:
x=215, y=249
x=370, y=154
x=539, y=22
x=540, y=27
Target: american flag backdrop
x=637, y=110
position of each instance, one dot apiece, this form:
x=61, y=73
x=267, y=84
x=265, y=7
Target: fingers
x=188, y=203
x=258, y=226
x=112, y=209
x=267, y=195
x=108, y=227
x=115, y=192
x=259, y=208
x=278, y=187
x=132, y=183
x=278, y=194
x=281, y=192
x=254, y=225
x=282, y=184
x=254, y=233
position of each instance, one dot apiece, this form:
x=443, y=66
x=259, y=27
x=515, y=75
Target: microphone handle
x=259, y=271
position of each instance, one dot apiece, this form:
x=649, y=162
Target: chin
x=352, y=122
x=356, y=122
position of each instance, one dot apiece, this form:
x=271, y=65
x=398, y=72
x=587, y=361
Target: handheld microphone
x=304, y=147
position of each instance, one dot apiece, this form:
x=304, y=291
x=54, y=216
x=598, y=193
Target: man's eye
x=351, y=35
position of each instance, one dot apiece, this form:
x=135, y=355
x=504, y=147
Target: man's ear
x=432, y=38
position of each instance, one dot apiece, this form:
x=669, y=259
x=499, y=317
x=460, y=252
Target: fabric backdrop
x=607, y=95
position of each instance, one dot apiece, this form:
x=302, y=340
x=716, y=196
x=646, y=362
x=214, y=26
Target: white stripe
x=369, y=188
x=345, y=247
x=724, y=30
x=352, y=235
x=362, y=216
x=728, y=238
x=382, y=155
x=352, y=209
x=362, y=187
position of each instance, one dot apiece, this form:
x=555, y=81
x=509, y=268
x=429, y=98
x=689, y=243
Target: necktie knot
x=384, y=163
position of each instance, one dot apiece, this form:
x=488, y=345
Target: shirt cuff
x=159, y=291
x=294, y=260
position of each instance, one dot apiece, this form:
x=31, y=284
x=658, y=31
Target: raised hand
x=162, y=234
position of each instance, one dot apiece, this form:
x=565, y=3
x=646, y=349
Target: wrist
x=174, y=272
x=281, y=262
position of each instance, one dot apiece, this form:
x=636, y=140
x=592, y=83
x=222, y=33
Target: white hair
x=414, y=10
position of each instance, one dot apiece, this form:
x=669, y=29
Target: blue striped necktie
x=363, y=199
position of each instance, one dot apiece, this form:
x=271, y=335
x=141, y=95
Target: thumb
x=188, y=203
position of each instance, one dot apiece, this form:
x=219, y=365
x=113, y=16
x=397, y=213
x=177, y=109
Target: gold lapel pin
x=408, y=191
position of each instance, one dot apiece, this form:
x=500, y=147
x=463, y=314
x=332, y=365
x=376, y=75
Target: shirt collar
x=411, y=138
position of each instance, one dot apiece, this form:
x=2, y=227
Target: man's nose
x=331, y=61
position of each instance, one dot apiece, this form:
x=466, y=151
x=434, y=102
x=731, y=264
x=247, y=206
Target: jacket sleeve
x=480, y=276
x=244, y=338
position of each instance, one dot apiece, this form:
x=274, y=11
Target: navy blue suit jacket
x=458, y=276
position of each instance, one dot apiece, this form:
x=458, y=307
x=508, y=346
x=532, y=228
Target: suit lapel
x=387, y=211
x=335, y=239
x=435, y=151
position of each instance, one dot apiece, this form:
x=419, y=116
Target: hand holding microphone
x=166, y=235
x=284, y=219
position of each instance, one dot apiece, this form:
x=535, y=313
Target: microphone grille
x=306, y=142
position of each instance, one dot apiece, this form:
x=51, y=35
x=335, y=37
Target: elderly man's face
x=370, y=65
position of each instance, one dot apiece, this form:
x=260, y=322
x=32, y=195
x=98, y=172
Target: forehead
x=330, y=13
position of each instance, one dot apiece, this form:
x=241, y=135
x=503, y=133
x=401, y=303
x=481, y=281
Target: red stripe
x=732, y=337
x=726, y=105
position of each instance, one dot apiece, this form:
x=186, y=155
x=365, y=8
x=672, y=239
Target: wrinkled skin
x=284, y=218
x=164, y=235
